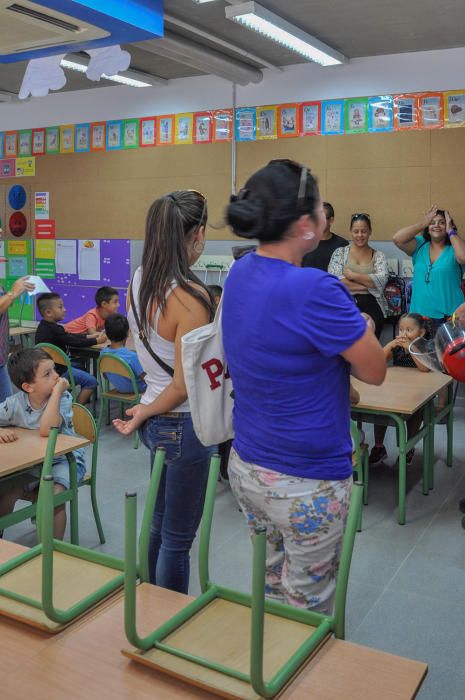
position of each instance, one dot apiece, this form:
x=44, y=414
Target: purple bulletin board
x=115, y=262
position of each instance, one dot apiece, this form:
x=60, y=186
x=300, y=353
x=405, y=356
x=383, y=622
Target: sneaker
x=377, y=454
x=408, y=458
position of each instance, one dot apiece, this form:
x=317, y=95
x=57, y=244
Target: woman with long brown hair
x=165, y=301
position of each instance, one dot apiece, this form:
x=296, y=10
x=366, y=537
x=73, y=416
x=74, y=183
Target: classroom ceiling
x=199, y=40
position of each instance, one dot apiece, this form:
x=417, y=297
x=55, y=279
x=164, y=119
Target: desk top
x=21, y=330
x=404, y=390
x=84, y=662
x=30, y=449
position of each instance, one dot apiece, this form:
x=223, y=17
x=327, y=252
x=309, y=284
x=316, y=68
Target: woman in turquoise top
x=438, y=255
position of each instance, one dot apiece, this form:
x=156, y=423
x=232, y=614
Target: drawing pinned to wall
x=17, y=266
x=356, y=115
x=147, y=131
x=288, y=121
x=25, y=142
x=7, y=167
x=67, y=138
x=380, y=116
x=11, y=144
x=246, y=124
x=222, y=125
x=130, y=133
x=97, y=136
x=454, y=108
x=89, y=260
x=266, y=122
x=52, y=139
x=431, y=108
x=406, y=112
x=203, y=127
x=310, y=118
x=25, y=167
x=114, y=135
x=332, y=117
x=183, y=130
x=82, y=138
x=38, y=142
x=165, y=130
x=65, y=257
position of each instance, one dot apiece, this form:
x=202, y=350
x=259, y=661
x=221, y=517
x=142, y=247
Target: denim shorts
x=60, y=473
x=82, y=378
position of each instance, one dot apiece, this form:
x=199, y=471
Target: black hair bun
x=246, y=217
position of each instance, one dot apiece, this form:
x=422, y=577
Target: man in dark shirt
x=321, y=256
x=50, y=330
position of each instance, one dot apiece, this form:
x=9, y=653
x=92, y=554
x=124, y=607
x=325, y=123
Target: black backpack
x=394, y=293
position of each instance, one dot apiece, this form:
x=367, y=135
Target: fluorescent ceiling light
x=254, y=16
x=201, y=2
x=127, y=78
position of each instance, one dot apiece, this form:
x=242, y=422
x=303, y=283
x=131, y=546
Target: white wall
x=429, y=70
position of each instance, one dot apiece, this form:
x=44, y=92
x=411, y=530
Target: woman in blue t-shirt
x=292, y=336
x=438, y=255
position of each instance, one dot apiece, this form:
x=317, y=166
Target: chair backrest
x=108, y=362
x=84, y=423
x=57, y=355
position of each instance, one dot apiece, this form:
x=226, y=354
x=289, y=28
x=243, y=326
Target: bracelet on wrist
x=452, y=232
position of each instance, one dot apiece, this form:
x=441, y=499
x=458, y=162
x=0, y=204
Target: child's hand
x=101, y=338
x=8, y=435
x=61, y=385
x=402, y=342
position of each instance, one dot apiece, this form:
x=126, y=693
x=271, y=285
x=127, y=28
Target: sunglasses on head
x=299, y=169
x=360, y=215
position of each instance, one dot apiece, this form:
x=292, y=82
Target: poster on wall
x=97, y=136
x=82, y=138
x=203, y=127
x=25, y=142
x=41, y=205
x=454, y=108
x=89, y=260
x=147, y=131
x=332, y=117
x=165, y=130
x=310, y=118
x=288, y=121
x=246, y=124
x=65, y=257
x=130, y=133
x=431, y=110
x=52, y=139
x=11, y=144
x=406, y=112
x=356, y=115
x=222, y=125
x=266, y=122
x=67, y=138
x=25, y=167
x=380, y=116
x=2, y=144
x=183, y=128
x=114, y=135
x=38, y=142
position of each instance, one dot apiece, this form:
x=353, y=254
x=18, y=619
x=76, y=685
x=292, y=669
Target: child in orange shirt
x=93, y=321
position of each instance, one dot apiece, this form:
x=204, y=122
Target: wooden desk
x=25, y=333
x=404, y=392
x=84, y=662
x=28, y=451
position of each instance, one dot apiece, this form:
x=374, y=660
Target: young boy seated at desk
x=42, y=403
x=49, y=330
x=117, y=331
x=93, y=321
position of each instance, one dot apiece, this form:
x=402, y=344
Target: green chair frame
x=46, y=549
x=360, y=467
x=325, y=624
x=60, y=358
x=106, y=394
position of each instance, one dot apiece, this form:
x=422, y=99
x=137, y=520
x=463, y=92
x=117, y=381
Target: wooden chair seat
x=115, y=394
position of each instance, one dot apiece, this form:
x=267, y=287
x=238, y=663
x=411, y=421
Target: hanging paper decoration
x=98, y=132
x=38, y=142
x=406, y=112
x=11, y=144
x=183, y=128
x=130, y=133
x=203, y=127
x=332, y=117
x=222, y=125
x=165, y=130
x=310, y=118
x=114, y=135
x=82, y=138
x=147, y=131
x=431, y=108
x=288, y=121
x=454, y=108
x=246, y=124
x=380, y=117
x=266, y=122
x=356, y=115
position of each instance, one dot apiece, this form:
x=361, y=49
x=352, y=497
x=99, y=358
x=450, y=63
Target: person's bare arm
x=359, y=279
x=353, y=287
x=388, y=348
x=51, y=417
x=7, y=435
x=405, y=237
x=458, y=245
x=21, y=285
x=366, y=358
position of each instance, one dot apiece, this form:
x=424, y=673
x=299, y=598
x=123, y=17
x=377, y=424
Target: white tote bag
x=208, y=383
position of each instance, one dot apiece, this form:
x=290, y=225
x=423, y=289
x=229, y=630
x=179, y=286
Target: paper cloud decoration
x=109, y=61
x=42, y=75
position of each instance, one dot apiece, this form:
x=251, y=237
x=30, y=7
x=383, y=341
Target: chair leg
x=98, y=522
x=365, y=478
x=108, y=410
x=100, y=415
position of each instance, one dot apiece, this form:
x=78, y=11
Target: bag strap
x=143, y=336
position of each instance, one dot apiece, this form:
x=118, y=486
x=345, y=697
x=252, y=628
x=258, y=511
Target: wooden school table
x=25, y=333
x=84, y=662
x=28, y=451
x=404, y=391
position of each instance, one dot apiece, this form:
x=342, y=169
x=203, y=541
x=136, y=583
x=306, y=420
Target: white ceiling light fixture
x=268, y=24
x=201, y=2
x=131, y=78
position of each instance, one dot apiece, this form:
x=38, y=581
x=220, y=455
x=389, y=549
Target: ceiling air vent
x=42, y=17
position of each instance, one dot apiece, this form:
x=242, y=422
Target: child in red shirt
x=93, y=321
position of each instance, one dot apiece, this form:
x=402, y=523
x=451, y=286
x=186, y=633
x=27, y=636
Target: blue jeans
x=82, y=378
x=180, y=499
x=5, y=384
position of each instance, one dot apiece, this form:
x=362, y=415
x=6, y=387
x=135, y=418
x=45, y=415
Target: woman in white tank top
x=169, y=302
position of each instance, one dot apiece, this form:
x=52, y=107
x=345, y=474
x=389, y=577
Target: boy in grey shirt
x=42, y=403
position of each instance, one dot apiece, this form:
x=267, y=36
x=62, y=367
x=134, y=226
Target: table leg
x=431, y=446
x=73, y=504
x=450, y=424
x=427, y=418
x=402, y=433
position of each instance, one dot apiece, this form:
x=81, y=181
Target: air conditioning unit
x=47, y=27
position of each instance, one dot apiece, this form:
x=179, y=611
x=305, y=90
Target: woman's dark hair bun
x=245, y=217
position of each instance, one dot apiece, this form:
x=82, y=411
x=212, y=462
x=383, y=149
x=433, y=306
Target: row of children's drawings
x=426, y=110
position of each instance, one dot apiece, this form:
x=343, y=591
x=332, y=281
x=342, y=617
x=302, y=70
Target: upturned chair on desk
x=116, y=365
x=192, y=645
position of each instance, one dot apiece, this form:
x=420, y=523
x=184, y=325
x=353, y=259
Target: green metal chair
x=321, y=625
x=108, y=362
x=359, y=464
x=60, y=358
x=34, y=569
x=84, y=424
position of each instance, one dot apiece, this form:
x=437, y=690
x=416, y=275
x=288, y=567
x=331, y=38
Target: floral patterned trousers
x=304, y=520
